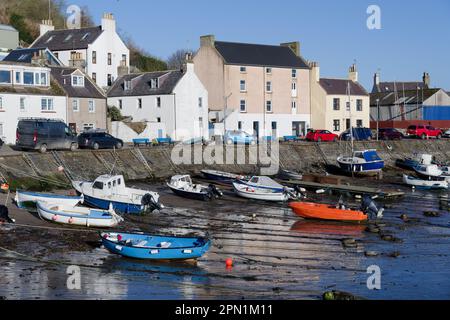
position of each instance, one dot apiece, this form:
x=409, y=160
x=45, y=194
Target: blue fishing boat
x=150, y=247
x=367, y=161
x=110, y=190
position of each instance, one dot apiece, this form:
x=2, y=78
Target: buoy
x=54, y=218
x=60, y=168
x=70, y=220
x=229, y=262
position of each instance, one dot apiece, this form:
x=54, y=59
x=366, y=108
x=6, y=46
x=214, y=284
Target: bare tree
x=177, y=59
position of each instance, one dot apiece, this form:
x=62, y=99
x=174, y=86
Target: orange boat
x=308, y=210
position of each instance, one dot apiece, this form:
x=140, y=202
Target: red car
x=321, y=135
x=424, y=132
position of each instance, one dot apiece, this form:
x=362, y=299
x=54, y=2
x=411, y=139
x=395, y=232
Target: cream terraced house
x=262, y=89
x=330, y=108
x=27, y=91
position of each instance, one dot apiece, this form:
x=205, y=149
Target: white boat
x=182, y=185
x=363, y=162
x=428, y=170
x=249, y=192
x=79, y=216
x=25, y=198
x=263, y=182
x=109, y=190
x=425, y=184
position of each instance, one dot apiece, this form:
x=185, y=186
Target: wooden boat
x=362, y=162
x=109, y=190
x=182, y=185
x=146, y=246
x=436, y=183
x=221, y=176
x=308, y=210
x=79, y=216
x=26, y=199
x=289, y=175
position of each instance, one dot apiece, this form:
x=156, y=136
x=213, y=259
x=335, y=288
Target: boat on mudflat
x=309, y=210
x=182, y=186
x=361, y=162
x=255, y=193
x=25, y=199
x=151, y=247
x=109, y=190
x=437, y=183
x=289, y=175
x=79, y=216
x=221, y=176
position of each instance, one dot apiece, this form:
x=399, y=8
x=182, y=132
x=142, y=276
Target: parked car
x=98, y=140
x=44, y=134
x=424, y=132
x=239, y=137
x=389, y=134
x=358, y=134
x=446, y=133
x=321, y=135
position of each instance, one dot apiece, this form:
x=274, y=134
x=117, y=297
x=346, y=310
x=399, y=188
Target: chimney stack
x=108, y=22
x=45, y=26
x=77, y=61
x=426, y=80
x=315, y=71
x=294, y=46
x=353, y=73
x=376, y=79
x=207, y=41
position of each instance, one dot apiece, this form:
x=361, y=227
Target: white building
x=98, y=51
x=175, y=99
x=9, y=40
x=27, y=91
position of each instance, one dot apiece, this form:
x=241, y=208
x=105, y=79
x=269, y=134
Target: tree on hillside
x=177, y=59
x=142, y=60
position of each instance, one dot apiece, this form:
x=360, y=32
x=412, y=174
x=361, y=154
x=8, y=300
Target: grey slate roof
x=58, y=40
x=63, y=76
x=390, y=86
x=25, y=55
x=259, y=55
x=140, y=84
x=409, y=97
x=339, y=87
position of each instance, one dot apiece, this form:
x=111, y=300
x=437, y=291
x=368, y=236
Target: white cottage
x=98, y=51
x=176, y=102
x=27, y=91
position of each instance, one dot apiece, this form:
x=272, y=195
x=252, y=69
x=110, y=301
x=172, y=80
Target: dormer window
x=154, y=83
x=77, y=81
x=127, y=85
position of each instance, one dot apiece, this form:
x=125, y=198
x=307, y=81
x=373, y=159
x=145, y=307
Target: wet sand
x=276, y=254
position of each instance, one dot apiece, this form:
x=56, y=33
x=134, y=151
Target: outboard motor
x=4, y=214
x=301, y=192
x=369, y=207
x=150, y=203
x=212, y=189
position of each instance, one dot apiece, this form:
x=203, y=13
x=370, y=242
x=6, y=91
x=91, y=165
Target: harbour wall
x=155, y=163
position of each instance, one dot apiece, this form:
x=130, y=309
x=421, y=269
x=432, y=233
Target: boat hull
x=425, y=184
x=75, y=216
x=23, y=199
x=127, y=208
x=362, y=168
x=189, y=251
x=254, y=193
x=222, y=177
x=308, y=210
x=191, y=195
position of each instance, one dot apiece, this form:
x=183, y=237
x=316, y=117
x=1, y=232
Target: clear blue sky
x=415, y=35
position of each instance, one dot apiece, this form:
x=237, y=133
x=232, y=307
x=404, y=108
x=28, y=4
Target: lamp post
x=378, y=117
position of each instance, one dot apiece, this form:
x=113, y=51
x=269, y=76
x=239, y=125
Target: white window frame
x=243, y=69
x=294, y=104
x=154, y=83
x=269, y=106
x=77, y=103
x=91, y=106
x=243, y=86
x=77, y=81
x=127, y=85
x=268, y=70
x=49, y=105
x=242, y=102
x=22, y=106
x=269, y=86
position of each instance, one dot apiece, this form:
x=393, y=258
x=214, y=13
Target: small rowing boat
x=26, y=199
x=308, y=210
x=79, y=216
x=289, y=175
x=150, y=247
x=221, y=176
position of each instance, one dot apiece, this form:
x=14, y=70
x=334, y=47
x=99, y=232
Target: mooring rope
x=49, y=228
